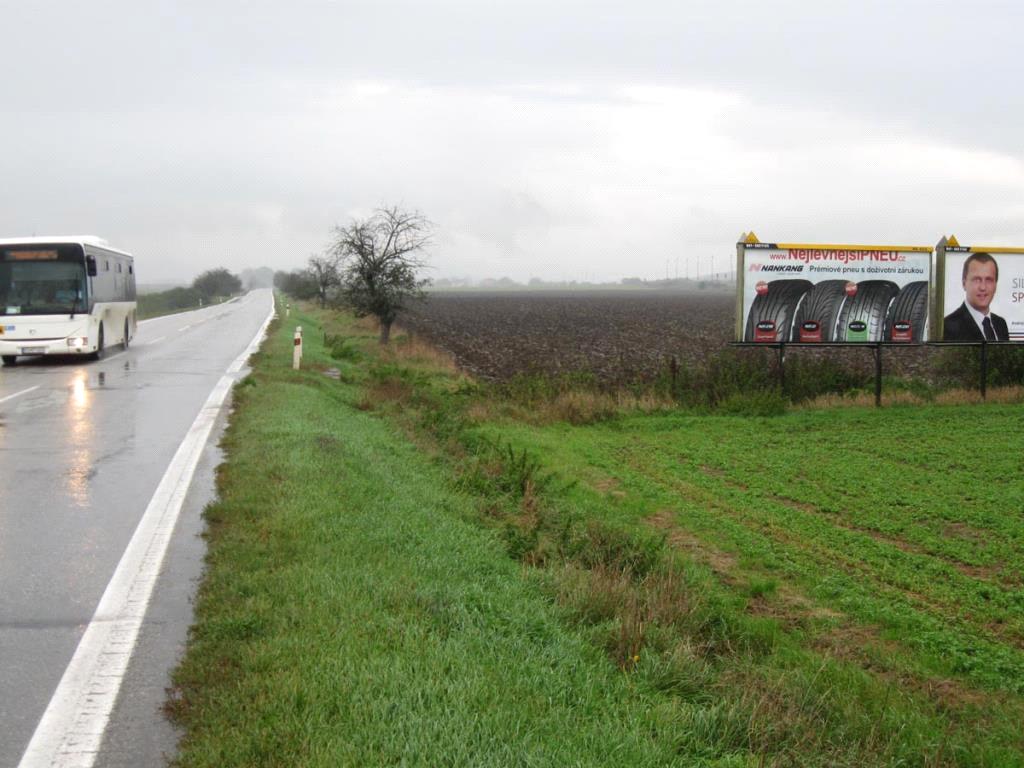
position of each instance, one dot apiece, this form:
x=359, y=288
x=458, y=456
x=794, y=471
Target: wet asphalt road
x=83, y=446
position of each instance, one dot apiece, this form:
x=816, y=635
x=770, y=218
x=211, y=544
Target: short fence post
x=297, y=348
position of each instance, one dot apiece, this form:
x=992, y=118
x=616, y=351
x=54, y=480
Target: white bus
x=64, y=296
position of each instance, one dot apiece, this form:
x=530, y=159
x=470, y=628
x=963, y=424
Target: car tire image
x=869, y=305
x=822, y=305
x=910, y=306
x=778, y=304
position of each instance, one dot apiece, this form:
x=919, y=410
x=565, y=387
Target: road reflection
x=79, y=440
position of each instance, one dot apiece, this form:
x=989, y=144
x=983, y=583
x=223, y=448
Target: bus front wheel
x=99, y=345
x=126, y=338
x=10, y=359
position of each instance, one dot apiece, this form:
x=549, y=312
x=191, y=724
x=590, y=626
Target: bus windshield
x=42, y=287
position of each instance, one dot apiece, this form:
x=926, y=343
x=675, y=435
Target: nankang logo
x=776, y=267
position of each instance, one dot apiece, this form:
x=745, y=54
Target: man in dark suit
x=973, y=321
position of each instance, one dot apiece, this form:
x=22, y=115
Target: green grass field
x=407, y=569
x=883, y=516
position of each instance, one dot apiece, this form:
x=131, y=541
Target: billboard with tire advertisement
x=979, y=293
x=799, y=293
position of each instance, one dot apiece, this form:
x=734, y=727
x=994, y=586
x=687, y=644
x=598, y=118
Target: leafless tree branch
x=380, y=259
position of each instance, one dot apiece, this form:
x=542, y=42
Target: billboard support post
x=878, y=375
x=782, y=370
x=740, y=253
x=984, y=368
x=937, y=290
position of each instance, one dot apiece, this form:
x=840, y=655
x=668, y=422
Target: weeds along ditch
x=789, y=595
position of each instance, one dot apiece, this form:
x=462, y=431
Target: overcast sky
x=562, y=140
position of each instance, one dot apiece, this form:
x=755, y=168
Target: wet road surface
x=83, y=447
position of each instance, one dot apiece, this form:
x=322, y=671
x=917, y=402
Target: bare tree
x=325, y=272
x=381, y=258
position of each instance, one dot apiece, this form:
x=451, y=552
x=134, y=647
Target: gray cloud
x=544, y=138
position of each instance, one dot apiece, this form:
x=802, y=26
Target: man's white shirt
x=979, y=318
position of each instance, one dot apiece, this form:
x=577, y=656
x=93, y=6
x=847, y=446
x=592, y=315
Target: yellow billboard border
x=994, y=249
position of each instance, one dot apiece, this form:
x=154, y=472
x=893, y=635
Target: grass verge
x=529, y=578
x=350, y=615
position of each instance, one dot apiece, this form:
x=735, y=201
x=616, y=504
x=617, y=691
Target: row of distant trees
x=371, y=267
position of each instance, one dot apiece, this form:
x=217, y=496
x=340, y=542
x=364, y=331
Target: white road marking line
x=154, y=341
x=185, y=327
x=70, y=732
x=18, y=394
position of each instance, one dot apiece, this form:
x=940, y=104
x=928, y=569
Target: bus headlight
x=77, y=342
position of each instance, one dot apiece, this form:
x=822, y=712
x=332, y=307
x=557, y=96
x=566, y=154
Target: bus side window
x=106, y=265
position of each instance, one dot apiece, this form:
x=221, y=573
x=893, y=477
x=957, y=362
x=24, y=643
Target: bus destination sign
x=22, y=255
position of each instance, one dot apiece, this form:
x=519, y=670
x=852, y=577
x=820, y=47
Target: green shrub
x=501, y=470
x=961, y=366
x=731, y=372
x=809, y=377
x=337, y=347
x=746, y=381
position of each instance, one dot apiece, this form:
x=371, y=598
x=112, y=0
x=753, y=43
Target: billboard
x=980, y=293
x=799, y=293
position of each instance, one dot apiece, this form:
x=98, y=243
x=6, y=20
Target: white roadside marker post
x=297, y=349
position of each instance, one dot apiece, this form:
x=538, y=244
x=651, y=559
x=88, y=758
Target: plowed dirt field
x=617, y=337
